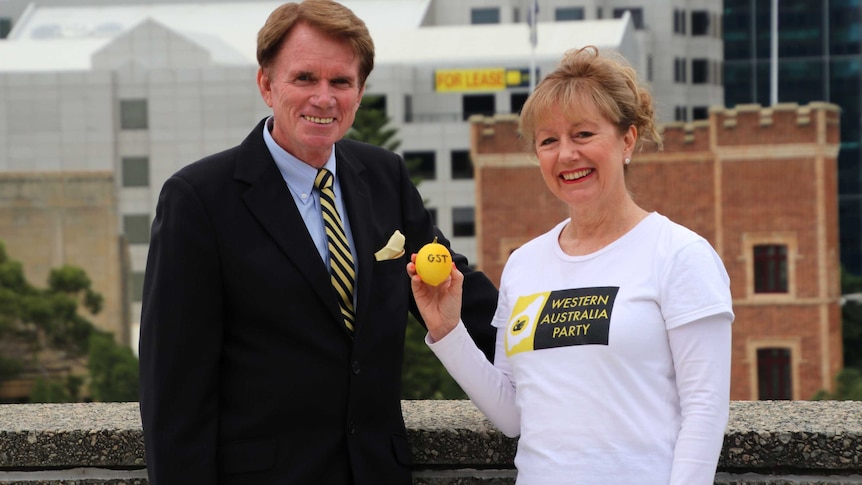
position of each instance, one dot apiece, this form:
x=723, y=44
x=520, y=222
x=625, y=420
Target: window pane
x=699, y=22
x=374, y=102
x=136, y=171
x=478, y=104
x=408, y=108
x=517, y=101
x=699, y=71
x=137, y=228
x=421, y=165
x=463, y=221
x=770, y=268
x=462, y=167
x=844, y=28
x=679, y=70
x=133, y=114
x=5, y=27
x=773, y=374
x=485, y=16
x=637, y=16
x=569, y=13
x=137, y=286
x=679, y=21
x=649, y=70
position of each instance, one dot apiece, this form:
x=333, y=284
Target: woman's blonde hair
x=609, y=84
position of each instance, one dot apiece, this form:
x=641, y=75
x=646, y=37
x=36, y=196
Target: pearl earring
x=628, y=161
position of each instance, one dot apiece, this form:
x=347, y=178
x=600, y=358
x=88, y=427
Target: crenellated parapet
x=786, y=124
x=753, y=124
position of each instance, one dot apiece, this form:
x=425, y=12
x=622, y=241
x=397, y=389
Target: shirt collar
x=298, y=175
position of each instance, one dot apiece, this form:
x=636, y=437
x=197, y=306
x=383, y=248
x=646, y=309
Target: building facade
x=141, y=88
x=819, y=58
x=760, y=184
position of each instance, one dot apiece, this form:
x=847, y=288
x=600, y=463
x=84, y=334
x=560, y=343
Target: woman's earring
x=628, y=161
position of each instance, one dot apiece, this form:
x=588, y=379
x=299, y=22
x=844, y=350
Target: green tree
x=848, y=387
x=57, y=389
x=113, y=370
x=34, y=320
x=423, y=376
x=851, y=320
x=848, y=382
x=371, y=125
x=40, y=327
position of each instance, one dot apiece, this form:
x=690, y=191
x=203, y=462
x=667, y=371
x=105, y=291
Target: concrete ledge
x=795, y=435
x=767, y=443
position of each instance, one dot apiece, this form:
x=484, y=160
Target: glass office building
x=819, y=57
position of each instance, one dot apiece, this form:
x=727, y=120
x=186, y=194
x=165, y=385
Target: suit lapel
x=354, y=186
x=268, y=199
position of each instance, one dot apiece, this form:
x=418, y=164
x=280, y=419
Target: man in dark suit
x=251, y=372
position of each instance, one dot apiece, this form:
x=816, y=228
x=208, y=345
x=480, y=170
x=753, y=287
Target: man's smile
x=314, y=119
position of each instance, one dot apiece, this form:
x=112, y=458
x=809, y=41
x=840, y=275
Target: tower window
x=770, y=268
x=773, y=374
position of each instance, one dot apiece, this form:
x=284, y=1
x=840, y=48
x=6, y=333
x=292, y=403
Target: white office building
x=141, y=88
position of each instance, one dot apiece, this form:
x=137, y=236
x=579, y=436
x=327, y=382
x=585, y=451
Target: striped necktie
x=340, y=260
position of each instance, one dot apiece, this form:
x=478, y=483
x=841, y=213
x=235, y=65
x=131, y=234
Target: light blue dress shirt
x=299, y=177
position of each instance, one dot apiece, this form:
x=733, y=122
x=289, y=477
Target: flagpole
x=773, y=72
x=532, y=21
x=532, y=69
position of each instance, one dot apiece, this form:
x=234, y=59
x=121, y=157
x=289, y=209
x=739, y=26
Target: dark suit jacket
x=247, y=373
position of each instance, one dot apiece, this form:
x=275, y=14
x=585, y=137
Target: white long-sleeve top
x=612, y=367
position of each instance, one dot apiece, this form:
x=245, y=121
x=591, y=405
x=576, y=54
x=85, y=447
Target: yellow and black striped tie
x=340, y=260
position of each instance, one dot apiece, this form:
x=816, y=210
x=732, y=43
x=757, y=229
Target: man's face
x=313, y=89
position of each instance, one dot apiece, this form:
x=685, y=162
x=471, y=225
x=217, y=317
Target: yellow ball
x=433, y=263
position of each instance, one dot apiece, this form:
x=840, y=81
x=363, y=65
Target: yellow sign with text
x=489, y=79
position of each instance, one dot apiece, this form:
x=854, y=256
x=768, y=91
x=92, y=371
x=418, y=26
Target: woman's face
x=582, y=158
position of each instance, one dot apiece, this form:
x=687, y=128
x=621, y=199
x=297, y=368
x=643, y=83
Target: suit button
x=351, y=428
x=356, y=367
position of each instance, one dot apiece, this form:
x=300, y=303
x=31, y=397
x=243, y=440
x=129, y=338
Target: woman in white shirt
x=614, y=328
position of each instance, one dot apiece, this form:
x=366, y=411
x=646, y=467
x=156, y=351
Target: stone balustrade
x=766, y=443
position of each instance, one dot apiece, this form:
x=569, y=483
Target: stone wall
x=766, y=443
